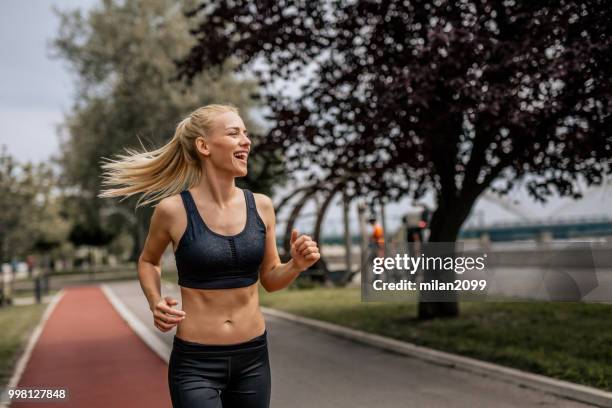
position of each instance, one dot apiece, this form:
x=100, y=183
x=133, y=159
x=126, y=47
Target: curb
x=142, y=331
x=565, y=389
x=25, y=357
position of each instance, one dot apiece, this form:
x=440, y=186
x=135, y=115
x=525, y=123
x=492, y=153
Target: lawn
x=17, y=324
x=568, y=341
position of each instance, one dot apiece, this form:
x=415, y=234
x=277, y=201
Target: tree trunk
x=348, y=242
x=445, y=224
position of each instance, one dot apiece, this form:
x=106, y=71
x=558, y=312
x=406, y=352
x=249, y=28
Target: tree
x=30, y=217
x=123, y=54
x=406, y=97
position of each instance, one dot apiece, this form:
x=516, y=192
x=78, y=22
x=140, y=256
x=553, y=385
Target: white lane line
x=145, y=333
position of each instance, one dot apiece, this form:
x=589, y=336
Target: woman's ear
x=202, y=146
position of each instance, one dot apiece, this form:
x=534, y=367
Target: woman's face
x=228, y=146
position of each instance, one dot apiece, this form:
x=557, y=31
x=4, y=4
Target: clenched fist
x=304, y=250
x=164, y=316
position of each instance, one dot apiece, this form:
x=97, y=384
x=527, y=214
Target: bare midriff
x=221, y=316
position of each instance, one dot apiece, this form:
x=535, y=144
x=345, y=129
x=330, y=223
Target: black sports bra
x=208, y=260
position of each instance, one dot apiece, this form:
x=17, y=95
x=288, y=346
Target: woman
x=224, y=242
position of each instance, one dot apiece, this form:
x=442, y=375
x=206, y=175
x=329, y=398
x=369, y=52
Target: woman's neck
x=220, y=190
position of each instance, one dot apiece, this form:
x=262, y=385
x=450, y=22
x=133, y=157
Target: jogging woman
x=224, y=243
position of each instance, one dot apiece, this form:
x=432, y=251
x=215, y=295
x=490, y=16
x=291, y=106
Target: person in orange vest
x=377, y=238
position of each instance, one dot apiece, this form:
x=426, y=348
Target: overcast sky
x=36, y=90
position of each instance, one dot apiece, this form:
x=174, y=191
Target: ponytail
x=165, y=171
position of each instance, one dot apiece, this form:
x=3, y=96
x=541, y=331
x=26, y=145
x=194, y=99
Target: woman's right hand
x=164, y=316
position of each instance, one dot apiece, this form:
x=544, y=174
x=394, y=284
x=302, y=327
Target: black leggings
x=228, y=376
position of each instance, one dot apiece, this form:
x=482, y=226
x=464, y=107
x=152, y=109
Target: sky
x=36, y=91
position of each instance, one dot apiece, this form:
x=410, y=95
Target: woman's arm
x=275, y=275
x=149, y=268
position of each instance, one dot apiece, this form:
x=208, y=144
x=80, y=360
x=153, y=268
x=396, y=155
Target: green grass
x=96, y=270
x=17, y=323
x=568, y=341
x=171, y=277
x=31, y=293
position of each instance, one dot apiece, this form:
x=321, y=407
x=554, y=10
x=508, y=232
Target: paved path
x=87, y=348
x=314, y=369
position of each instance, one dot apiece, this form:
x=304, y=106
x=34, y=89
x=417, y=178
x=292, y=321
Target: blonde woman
x=224, y=243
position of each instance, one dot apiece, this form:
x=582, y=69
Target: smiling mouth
x=241, y=157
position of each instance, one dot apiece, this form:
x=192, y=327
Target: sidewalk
x=88, y=349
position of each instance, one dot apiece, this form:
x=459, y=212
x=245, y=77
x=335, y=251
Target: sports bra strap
x=188, y=202
x=250, y=199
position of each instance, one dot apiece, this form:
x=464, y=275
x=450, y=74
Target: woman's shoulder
x=263, y=201
x=265, y=207
x=170, y=206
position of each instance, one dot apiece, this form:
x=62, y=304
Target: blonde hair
x=165, y=171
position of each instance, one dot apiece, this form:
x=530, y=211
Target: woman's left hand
x=304, y=251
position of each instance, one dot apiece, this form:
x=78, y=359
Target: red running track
x=87, y=348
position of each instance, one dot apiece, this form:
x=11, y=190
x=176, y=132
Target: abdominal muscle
x=221, y=316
